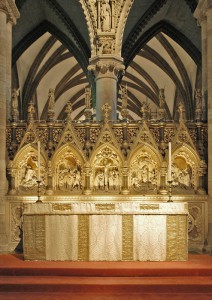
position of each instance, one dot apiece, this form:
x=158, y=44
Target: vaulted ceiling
x=161, y=49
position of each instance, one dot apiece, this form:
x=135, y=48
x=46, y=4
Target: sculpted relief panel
x=27, y=174
x=106, y=171
x=68, y=173
x=184, y=173
x=144, y=174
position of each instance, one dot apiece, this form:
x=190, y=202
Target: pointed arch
x=130, y=51
x=46, y=26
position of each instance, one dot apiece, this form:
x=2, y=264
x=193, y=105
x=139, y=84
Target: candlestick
x=170, y=164
x=38, y=160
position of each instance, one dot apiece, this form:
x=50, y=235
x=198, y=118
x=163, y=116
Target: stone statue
x=105, y=15
x=87, y=98
x=198, y=97
x=123, y=96
x=181, y=110
x=14, y=112
x=51, y=104
x=161, y=98
x=51, y=99
x=162, y=102
x=31, y=111
x=198, y=110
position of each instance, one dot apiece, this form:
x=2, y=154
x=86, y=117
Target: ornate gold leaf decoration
x=127, y=237
x=83, y=237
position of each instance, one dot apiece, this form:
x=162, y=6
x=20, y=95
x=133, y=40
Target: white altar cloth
x=105, y=231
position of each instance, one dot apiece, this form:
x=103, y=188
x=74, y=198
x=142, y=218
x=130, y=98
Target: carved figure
x=14, y=110
x=87, y=98
x=30, y=178
x=161, y=98
x=181, y=110
x=181, y=177
x=123, y=96
x=51, y=99
x=69, y=174
x=143, y=174
x=105, y=15
x=15, y=94
x=198, y=97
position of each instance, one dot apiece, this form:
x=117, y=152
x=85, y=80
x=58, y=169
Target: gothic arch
x=46, y=26
x=131, y=48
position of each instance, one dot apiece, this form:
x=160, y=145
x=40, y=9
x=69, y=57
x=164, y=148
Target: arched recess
x=185, y=169
x=106, y=162
x=24, y=170
x=67, y=170
x=46, y=26
x=130, y=49
x=144, y=170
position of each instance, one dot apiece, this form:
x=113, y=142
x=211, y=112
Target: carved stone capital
x=9, y=7
x=202, y=10
x=106, y=67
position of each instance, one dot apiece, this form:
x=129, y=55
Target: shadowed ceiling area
x=161, y=49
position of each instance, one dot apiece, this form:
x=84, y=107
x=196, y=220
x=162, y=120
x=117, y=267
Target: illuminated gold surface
x=83, y=237
x=34, y=238
x=127, y=237
x=100, y=207
x=149, y=206
x=61, y=207
x=176, y=244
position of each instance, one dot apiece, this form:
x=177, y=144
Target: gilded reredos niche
x=106, y=168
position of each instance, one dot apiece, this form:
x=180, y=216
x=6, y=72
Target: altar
x=119, y=231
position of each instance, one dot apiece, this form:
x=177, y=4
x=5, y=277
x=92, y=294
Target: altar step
x=44, y=280
x=106, y=285
x=65, y=287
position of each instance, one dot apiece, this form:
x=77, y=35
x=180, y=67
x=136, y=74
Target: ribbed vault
x=54, y=52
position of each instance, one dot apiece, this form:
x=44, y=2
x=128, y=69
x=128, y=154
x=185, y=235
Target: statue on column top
x=198, y=110
x=87, y=98
x=51, y=104
x=123, y=90
x=198, y=98
x=105, y=15
x=14, y=112
x=161, y=104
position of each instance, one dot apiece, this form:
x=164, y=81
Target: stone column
x=125, y=179
x=106, y=69
x=8, y=13
x=209, y=85
x=203, y=13
x=87, y=181
x=8, y=68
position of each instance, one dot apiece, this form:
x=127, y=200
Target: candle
x=170, y=163
x=38, y=160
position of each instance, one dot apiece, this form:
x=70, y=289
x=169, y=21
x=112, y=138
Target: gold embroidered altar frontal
x=118, y=232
